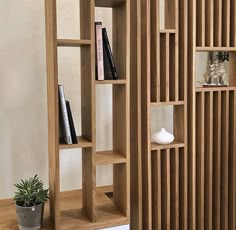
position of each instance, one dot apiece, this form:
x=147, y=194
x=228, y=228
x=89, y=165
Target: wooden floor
x=72, y=216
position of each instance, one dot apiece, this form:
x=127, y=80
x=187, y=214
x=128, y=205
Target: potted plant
x=30, y=198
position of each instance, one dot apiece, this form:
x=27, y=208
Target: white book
x=99, y=51
x=65, y=118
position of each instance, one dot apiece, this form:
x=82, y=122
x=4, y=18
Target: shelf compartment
x=109, y=3
x=82, y=143
x=112, y=82
x=173, y=145
x=72, y=43
x=72, y=215
x=109, y=157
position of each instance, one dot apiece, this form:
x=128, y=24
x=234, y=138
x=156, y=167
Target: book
x=64, y=115
x=108, y=75
x=99, y=51
x=71, y=122
x=109, y=52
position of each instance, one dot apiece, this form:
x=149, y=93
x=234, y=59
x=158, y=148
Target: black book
x=109, y=53
x=108, y=75
x=71, y=122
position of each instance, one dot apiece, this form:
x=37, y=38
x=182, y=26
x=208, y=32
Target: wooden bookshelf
x=90, y=208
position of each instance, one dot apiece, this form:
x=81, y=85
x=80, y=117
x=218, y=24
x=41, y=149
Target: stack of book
x=66, y=123
x=105, y=65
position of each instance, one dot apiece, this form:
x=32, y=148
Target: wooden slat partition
x=208, y=152
x=218, y=23
x=201, y=22
x=209, y=22
x=232, y=160
x=233, y=23
x=224, y=159
x=174, y=189
x=170, y=13
x=164, y=66
x=226, y=23
x=200, y=136
x=216, y=159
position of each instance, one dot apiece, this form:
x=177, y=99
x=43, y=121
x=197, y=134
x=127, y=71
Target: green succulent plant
x=30, y=192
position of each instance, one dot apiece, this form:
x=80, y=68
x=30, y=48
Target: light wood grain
x=232, y=23
x=208, y=159
x=216, y=159
x=218, y=23
x=109, y=157
x=112, y=82
x=226, y=23
x=82, y=143
x=175, y=144
x=200, y=157
x=209, y=22
x=72, y=43
x=201, y=22
x=53, y=116
x=232, y=69
x=135, y=114
x=224, y=159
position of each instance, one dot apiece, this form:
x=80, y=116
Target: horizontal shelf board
x=167, y=103
x=112, y=82
x=198, y=48
x=167, y=31
x=210, y=89
x=109, y=3
x=72, y=43
x=174, y=144
x=71, y=212
x=82, y=143
x=109, y=157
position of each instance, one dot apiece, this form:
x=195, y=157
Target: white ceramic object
x=163, y=137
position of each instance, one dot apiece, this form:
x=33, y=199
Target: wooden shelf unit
x=91, y=210
x=164, y=83
x=211, y=121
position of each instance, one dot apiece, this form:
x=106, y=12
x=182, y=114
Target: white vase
x=163, y=137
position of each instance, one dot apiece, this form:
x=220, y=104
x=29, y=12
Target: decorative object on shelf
x=216, y=73
x=30, y=199
x=163, y=137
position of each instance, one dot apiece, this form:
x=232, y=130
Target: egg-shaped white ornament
x=163, y=137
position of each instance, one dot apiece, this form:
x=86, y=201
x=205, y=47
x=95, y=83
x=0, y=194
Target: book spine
x=71, y=122
x=99, y=51
x=66, y=123
x=110, y=55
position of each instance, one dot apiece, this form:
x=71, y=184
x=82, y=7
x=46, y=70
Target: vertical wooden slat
x=53, y=124
x=209, y=22
x=156, y=190
x=216, y=160
x=200, y=139
x=232, y=160
x=88, y=111
x=218, y=23
x=232, y=23
x=165, y=188
x=135, y=113
x=201, y=23
x=174, y=189
x=208, y=159
x=173, y=89
x=176, y=50
x=226, y=23
x=232, y=68
x=145, y=126
x=155, y=51
x=224, y=159
x=167, y=66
